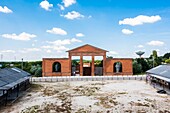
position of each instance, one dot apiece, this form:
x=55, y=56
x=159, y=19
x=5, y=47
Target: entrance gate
x=87, y=50
x=86, y=71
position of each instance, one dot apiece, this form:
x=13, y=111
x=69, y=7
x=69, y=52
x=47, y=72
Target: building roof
x=9, y=77
x=87, y=48
x=161, y=71
x=55, y=58
x=119, y=58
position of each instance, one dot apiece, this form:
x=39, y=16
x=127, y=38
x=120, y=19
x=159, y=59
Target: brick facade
x=86, y=50
x=47, y=67
x=127, y=68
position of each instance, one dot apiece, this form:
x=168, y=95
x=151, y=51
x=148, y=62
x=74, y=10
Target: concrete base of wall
x=86, y=78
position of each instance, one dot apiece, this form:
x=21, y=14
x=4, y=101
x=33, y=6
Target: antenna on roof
x=22, y=66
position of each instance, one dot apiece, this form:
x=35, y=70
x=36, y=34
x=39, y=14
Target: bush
x=137, y=68
x=36, y=70
x=144, y=64
x=167, y=61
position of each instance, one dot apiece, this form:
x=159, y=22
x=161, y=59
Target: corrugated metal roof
x=2, y=83
x=160, y=77
x=161, y=70
x=9, y=77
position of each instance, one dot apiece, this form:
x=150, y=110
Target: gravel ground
x=91, y=97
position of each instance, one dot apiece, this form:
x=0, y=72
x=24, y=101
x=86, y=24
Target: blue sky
x=34, y=29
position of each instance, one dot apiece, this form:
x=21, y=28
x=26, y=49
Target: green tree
x=137, y=68
x=154, y=53
x=36, y=70
x=110, y=57
x=167, y=61
x=150, y=62
x=98, y=63
x=167, y=55
x=74, y=62
x=144, y=64
x=33, y=69
x=157, y=60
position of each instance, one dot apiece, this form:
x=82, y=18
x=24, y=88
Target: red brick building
x=63, y=66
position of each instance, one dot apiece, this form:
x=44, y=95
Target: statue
x=118, y=65
x=57, y=67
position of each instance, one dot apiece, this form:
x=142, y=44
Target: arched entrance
x=117, y=67
x=56, y=67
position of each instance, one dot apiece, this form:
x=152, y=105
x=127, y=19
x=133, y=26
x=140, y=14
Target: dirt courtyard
x=91, y=97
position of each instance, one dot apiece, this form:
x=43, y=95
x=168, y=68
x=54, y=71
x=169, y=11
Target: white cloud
x=46, y=5
x=75, y=40
x=58, y=45
x=26, y=50
x=113, y=52
x=155, y=43
x=64, y=42
x=73, y=15
x=140, y=46
x=46, y=47
x=48, y=51
x=22, y=36
x=139, y=20
x=7, y=51
x=58, y=48
x=89, y=16
x=158, y=52
x=5, y=9
x=57, y=31
x=127, y=31
x=22, y=51
x=79, y=35
x=67, y=3
x=61, y=6
x=32, y=49
x=61, y=42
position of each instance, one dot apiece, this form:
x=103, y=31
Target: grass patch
x=122, y=93
x=36, y=87
x=139, y=104
x=49, y=91
x=106, y=102
x=85, y=90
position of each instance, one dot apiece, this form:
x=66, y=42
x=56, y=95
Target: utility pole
x=22, y=66
x=153, y=60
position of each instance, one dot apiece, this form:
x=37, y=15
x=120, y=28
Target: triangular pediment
x=87, y=48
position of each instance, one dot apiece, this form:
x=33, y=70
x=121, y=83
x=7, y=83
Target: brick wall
x=47, y=66
x=127, y=67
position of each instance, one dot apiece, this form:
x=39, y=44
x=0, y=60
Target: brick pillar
x=81, y=65
x=43, y=67
x=92, y=67
x=104, y=64
x=70, y=64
